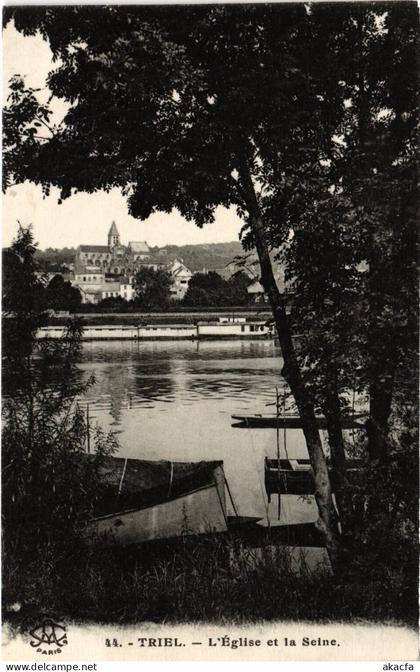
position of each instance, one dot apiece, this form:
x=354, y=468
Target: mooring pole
x=278, y=450
x=87, y=429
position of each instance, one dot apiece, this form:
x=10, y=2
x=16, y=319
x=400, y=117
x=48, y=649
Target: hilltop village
x=108, y=273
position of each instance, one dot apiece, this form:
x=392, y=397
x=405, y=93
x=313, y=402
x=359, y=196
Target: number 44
x=112, y=642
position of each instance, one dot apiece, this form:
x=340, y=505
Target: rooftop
x=139, y=246
x=94, y=248
x=113, y=231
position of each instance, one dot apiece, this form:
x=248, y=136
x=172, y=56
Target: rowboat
x=268, y=421
x=145, y=500
x=295, y=476
x=288, y=477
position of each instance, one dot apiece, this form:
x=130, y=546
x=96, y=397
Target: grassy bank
x=198, y=582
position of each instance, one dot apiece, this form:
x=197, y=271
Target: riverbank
x=202, y=581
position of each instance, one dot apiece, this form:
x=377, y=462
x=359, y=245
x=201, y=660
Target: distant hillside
x=196, y=257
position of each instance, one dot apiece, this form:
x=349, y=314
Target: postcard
x=209, y=333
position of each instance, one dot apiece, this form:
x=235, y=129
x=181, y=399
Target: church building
x=112, y=258
x=106, y=271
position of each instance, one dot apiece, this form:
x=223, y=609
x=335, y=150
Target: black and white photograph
x=210, y=332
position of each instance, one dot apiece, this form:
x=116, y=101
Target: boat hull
x=290, y=422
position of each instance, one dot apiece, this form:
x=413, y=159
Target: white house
x=126, y=289
x=89, y=295
x=111, y=290
x=91, y=278
x=181, y=276
x=90, y=285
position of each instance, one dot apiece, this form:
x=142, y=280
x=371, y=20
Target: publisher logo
x=49, y=637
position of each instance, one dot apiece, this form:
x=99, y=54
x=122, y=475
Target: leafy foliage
x=152, y=288
x=48, y=485
x=60, y=295
x=22, y=298
x=210, y=289
x=216, y=93
x=353, y=252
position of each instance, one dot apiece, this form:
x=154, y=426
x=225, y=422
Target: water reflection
x=152, y=381
x=173, y=400
x=154, y=350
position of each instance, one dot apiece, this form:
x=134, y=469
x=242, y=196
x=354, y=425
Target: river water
x=174, y=400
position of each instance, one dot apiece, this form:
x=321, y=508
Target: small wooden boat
x=295, y=476
x=288, y=477
x=145, y=500
x=268, y=421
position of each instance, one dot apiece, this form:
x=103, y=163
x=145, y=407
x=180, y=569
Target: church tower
x=113, y=236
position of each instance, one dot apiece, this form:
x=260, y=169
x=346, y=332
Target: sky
x=86, y=218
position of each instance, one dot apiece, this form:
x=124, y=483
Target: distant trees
x=60, y=295
x=152, y=289
x=210, y=289
x=204, y=289
x=197, y=257
x=24, y=293
x=55, y=259
x=237, y=289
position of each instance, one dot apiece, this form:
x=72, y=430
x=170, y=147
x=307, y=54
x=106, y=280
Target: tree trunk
x=327, y=521
x=381, y=391
x=332, y=412
x=382, y=340
x=382, y=279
